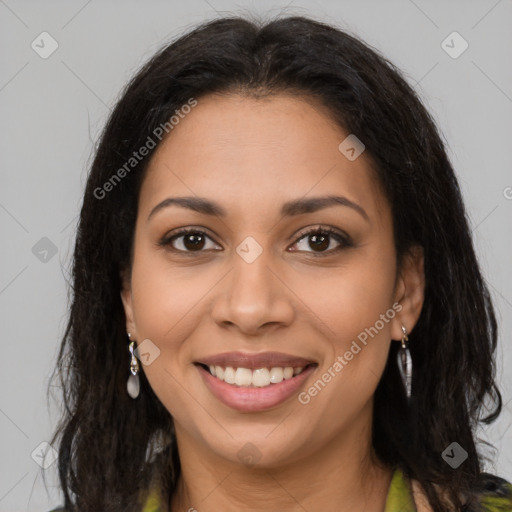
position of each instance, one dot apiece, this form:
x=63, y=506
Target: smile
x=261, y=377
x=255, y=389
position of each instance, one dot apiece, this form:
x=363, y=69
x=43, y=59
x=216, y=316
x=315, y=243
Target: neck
x=341, y=476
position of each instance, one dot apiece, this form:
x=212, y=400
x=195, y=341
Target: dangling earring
x=133, y=384
x=405, y=363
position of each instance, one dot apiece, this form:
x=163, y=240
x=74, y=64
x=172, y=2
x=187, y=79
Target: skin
x=251, y=155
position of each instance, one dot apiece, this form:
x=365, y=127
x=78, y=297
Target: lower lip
x=254, y=399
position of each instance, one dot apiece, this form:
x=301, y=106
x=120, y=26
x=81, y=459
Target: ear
x=126, y=298
x=409, y=291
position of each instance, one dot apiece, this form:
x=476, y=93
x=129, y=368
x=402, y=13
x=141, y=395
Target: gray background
x=52, y=110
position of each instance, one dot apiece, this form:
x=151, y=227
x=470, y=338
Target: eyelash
x=343, y=239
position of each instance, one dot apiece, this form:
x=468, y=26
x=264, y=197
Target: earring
x=405, y=363
x=133, y=384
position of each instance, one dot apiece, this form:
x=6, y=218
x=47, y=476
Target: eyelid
x=321, y=228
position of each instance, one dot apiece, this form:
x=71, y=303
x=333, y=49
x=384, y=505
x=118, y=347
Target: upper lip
x=254, y=361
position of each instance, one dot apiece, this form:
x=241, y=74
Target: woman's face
x=259, y=275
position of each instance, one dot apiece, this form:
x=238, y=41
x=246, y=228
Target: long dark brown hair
x=110, y=446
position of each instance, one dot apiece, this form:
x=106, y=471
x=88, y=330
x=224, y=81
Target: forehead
x=256, y=151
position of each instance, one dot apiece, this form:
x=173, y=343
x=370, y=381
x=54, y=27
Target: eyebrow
x=289, y=209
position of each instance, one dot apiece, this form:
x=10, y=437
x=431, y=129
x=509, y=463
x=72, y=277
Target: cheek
x=353, y=307
x=166, y=307
x=349, y=299
x=164, y=297
x=166, y=311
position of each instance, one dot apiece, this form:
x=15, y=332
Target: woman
x=277, y=304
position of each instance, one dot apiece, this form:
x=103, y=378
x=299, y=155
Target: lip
x=255, y=361
x=254, y=399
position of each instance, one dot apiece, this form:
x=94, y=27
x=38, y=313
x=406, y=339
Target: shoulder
x=494, y=494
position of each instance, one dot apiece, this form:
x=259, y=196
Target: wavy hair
x=110, y=446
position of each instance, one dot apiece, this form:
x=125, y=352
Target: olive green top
x=495, y=495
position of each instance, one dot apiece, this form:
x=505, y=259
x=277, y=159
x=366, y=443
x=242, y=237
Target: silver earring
x=405, y=364
x=133, y=384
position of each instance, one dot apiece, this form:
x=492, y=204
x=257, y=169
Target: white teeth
x=276, y=375
x=219, y=372
x=288, y=372
x=229, y=375
x=243, y=377
x=260, y=377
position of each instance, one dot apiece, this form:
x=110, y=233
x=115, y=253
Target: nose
x=253, y=297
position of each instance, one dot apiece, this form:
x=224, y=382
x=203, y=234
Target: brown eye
x=193, y=241
x=322, y=241
x=189, y=240
x=319, y=242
